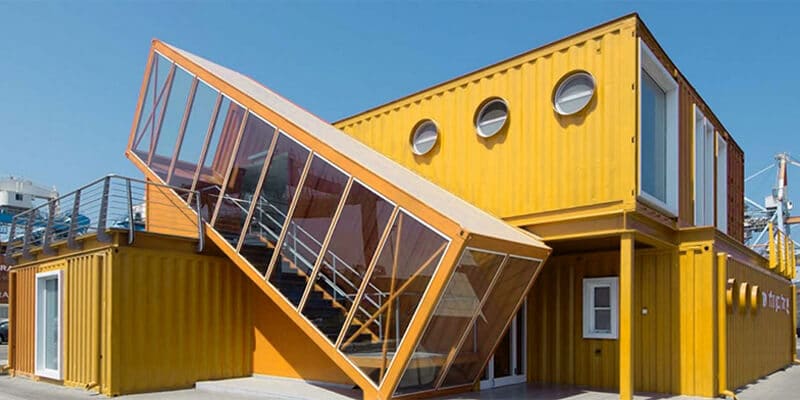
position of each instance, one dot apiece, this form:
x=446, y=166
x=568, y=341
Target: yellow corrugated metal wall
x=548, y=162
x=557, y=351
x=138, y=320
x=23, y=312
x=178, y=318
x=696, y=319
x=757, y=339
x=84, y=328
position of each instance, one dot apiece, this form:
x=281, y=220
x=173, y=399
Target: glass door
x=48, y=324
x=507, y=366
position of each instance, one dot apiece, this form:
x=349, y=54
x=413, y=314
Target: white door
x=507, y=366
x=48, y=324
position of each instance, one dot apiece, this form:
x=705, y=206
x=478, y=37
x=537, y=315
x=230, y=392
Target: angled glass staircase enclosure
x=404, y=286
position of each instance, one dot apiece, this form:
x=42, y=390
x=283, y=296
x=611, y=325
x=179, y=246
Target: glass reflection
x=402, y=272
x=194, y=136
x=244, y=177
x=215, y=163
x=355, y=238
x=497, y=311
x=455, y=311
x=166, y=135
x=283, y=176
x=152, y=105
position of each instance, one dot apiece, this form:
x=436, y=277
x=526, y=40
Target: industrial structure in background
x=16, y=195
x=772, y=219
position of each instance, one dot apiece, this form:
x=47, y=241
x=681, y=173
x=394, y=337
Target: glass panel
x=654, y=139
x=205, y=99
x=155, y=93
x=283, y=176
x=602, y=321
x=355, y=238
x=514, y=279
x=502, y=357
x=246, y=172
x=166, y=136
x=215, y=165
x=312, y=217
x=602, y=296
x=51, y=324
x=454, y=312
x=401, y=275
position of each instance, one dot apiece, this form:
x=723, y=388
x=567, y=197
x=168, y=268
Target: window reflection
x=283, y=176
x=455, y=311
x=215, y=163
x=402, y=272
x=194, y=136
x=244, y=177
x=152, y=105
x=506, y=295
x=167, y=133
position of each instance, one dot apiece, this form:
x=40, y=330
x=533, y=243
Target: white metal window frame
x=38, y=329
x=650, y=64
x=722, y=184
x=517, y=342
x=703, y=169
x=589, y=284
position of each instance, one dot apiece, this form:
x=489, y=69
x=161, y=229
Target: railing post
x=73, y=220
x=11, y=232
x=131, y=222
x=200, y=231
x=102, y=235
x=26, y=239
x=49, y=228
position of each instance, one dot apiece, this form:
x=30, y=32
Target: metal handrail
x=243, y=205
x=110, y=202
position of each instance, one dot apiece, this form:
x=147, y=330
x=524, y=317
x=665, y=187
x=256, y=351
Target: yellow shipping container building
x=571, y=215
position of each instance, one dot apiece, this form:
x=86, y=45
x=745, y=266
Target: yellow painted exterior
x=141, y=319
x=755, y=343
x=549, y=162
x=168, y=215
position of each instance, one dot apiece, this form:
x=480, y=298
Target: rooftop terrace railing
x=110, y=203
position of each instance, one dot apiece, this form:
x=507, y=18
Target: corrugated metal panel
x=760, y=340
x=542, y=161
x=23, y=316
x=84, y=329
x=557, y=351
x=177, y=318
x=736, y=193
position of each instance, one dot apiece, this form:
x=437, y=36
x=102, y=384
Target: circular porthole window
x=574, y=93
x=424, y=137
x=491, y=118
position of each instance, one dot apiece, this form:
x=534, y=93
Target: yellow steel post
x=626, y=317
x=722, y=315
x=773, y=261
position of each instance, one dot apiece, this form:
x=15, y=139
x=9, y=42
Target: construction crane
x=776, y=208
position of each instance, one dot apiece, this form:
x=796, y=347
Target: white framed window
x=48, y=325
x=424, y=137
x=703, y=169
x=491, y=117
x=722, y=184
x=601, y=308
x=658, y=134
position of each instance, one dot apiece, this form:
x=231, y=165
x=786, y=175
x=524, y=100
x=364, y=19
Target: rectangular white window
x=703, y=170
x=48, y=324
x=722, y=184
x=658, y=134
x=601, y=308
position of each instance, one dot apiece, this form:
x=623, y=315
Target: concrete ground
x=778, y=386
x=3, y=354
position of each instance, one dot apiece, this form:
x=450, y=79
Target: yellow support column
x=626, y=317
x=722, y=319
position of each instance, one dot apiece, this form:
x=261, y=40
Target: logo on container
x=775, y=302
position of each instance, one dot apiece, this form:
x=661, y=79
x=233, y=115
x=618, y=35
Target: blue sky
x=70, y=71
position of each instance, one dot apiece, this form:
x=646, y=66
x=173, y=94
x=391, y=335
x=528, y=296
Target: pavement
x=3, y=354
x=781, y=385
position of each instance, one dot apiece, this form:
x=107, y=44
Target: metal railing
x=296, y=243
x=110, y=203
x=781, y=250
